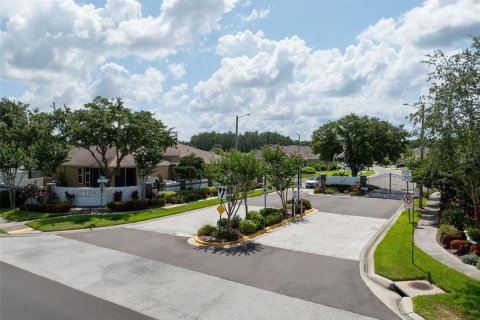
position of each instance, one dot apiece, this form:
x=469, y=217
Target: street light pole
x=236, y=128
x=422, y=147
x=298, y=171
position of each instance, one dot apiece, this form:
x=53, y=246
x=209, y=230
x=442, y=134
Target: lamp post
x=298, y=171
x=422, y=147
x=236, y=128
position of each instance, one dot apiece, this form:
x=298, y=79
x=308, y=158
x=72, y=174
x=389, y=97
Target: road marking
x=20, y=231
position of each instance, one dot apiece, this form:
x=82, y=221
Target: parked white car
x=312, y=182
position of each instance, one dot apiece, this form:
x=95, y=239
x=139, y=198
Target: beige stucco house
x=82, y=170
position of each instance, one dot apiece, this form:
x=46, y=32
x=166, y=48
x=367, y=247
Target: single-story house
x=82, y=170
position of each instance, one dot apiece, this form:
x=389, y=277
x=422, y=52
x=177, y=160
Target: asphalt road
x=354, y=206
x=26, y=296
x=320, y=279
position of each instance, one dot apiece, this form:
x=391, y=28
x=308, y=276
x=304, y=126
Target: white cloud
x=257, y=15
x=177, y=70
x=51, y=44
x=176, y=96
x=290, y=87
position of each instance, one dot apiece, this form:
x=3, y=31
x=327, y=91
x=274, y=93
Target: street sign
x=295, y=195
x=265, y=190
x=408, y=201
x=220, y=209
x=102, y=179
x=222, y=192
x=407, y=175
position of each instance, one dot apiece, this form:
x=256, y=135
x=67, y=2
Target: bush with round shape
x=256, y=217
x=461, y=246
x=309, y=170
x=248, y=227
x=470, y=259
x=225, y=234
x=206, y=230
x=476, y=249
x=236, y=220
x=451, y=236
x=319, y=190
x=273, y=218
x=443, y=230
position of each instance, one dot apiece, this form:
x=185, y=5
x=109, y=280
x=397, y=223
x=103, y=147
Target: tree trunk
x=246, y=205
x=355, y=169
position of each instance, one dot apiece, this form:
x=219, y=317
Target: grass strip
x=105, y=220
x=22, y=215
x=3, y=231
x=393, y=261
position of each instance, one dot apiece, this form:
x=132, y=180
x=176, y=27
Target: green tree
x=107, y=124
x=249, y=169
x=190, y=168
x=451, y=116
x=281, y=169
x=226, y=172
x=16, y=143
x=363, y=140
x=147, y=160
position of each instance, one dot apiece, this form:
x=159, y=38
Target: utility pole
x=236, y=128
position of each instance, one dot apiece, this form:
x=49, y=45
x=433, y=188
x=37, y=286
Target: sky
x=196, y=64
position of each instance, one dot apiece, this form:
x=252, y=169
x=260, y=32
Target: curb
x=254, y=235
x=403, y=306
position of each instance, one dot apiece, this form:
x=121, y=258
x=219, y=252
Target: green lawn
x=332, y=172
x=21, y=215
x=393, y=261
x=105, y=220
x=3, y=231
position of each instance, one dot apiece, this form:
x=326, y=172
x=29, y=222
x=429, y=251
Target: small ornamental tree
x=190, y=168
x=249, y=169
x=226, y=172
x=281, y=169
x=147, y=160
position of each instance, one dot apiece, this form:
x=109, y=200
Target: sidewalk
x=425, y=239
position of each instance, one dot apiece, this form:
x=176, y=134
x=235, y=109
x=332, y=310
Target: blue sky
x=293, y=65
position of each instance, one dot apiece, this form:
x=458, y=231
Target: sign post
x=102, y=180
x=222, y=195
x=407, y=176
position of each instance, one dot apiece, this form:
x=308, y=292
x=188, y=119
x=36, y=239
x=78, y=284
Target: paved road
x=309, y=270
x=25, y=295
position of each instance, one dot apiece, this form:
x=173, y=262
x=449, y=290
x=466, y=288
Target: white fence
x=85, y=197
x=342, y=180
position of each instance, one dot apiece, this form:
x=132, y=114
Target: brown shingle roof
x=80, y=157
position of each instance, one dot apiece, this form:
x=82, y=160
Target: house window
x=80, y=176
x=87, y=177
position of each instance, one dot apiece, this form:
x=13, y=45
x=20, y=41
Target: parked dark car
x=400, y=165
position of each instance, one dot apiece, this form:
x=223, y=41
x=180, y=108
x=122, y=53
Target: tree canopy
x=362, y=139
x=451, y=122
x=103, y=124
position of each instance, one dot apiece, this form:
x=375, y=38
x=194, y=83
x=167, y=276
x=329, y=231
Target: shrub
x=268, y=211
x=273, y=218
x=169, y=196
x=470, y=259
x=443, y=230
x=52, y=207
x=117, y=196
x=474, y=233
x=223, y=233
x=332, y=167
x=317, y=166
x=356, y=193
x=213, y=191
x=180, y=199
x=206, y=230
x=306, y=205
x=319, y=190
x=160, y=202
x=134, y=195
x=450, y=236
x=478, y=265
x=236, y=221
x=475, y=249
x=127, y=205
x=256, y=217
x=462, y=246
x=454, y=216
x=248, y=226
x=330, y=191
x=309, y=170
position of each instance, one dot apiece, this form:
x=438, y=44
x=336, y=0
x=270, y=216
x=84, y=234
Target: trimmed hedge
x=49, y=207
x=273, y=218
x=309, y=170
x=207, y=230
x=256, y=217
x=248, y=227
